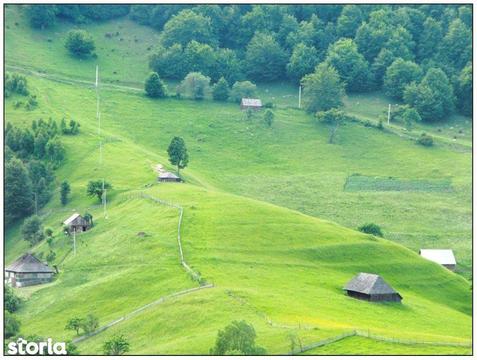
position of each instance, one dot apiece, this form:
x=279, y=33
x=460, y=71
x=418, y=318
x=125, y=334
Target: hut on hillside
x=77, y=223
x=168, y=177
x=26, y=271
x=254, y=104
x=444, y=257
x=371, y=287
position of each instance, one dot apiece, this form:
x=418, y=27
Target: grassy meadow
x=267, y=218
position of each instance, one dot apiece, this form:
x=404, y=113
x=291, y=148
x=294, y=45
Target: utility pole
x=299, y=97
x=389, y=113
x=36, y=204
x=74, y=241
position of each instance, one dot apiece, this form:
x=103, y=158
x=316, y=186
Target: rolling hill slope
x=268, y=218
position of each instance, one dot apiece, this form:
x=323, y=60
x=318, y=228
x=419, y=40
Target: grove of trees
x=393, y=47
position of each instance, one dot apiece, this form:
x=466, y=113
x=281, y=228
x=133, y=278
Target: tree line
x=370, y=46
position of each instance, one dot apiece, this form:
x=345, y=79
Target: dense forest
x=420, y=54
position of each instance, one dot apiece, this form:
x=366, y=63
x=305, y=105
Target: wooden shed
x=444, y=257
x=254, y=104
x=168, y=177
x=26, y=271
x=77, y=223
x=371, y=287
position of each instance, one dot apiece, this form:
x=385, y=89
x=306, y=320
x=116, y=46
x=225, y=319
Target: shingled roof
x=28, y=264
x=370, y=284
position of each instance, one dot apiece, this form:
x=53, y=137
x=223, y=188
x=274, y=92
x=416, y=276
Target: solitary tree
x=323, y=89
x=32, y=230
x=95, y=188
x=74, y=324
x=89, y=324
x=237, y=338
x=178, y=153
x=372, y=229
x=334, y=118
x=117, y=345
x=268, y=117
x=65, y=190
x=154, y=86
x=79, y=43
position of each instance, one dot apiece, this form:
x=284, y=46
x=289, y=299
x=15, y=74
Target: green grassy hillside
x=268, y=217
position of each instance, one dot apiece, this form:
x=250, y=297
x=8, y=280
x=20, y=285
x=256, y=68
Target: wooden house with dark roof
x=27, y=270
x=371, y=287
x=168, y=177
x=77, y=223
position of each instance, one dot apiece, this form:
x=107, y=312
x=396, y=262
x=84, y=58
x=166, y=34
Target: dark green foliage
x=41, y=16
x=89, y=218
x=79, y=43
x=11, y=301
x=86, y=13
x=425, y=140
x=18, y=191
x=456, y=48
x=302, y=61
x=410, y=117
x=32, y=230
x=349, y=21
x=15, y=84
x=334, y=118
x=11, y=325
x=237, y=338
x=464, y=91
x=221, y=90
x=169, y=62
x=268, y=117
x=372, y=229
x=243, y=89
x=323, y=89
x=50, y=257
x=154, y=86
x=186, y=26
x=265, y=59
x=71, y=348
x=195, y=86
x=95, y=188
x=116, y=345
x=65, y=190
x=433, y=97
x=429, y=38
x=71, y=129
x=177, y=152
x=400, y=74
x=55, y=151
x=350, y=64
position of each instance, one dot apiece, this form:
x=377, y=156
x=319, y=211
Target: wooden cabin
x=27, y=271
x=371, y=287
x=444, y=257
x=254, y=104
x=77, y=223
x=168, y=177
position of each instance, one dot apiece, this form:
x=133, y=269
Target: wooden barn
x=168, y=177
x=371, y=287
x=26, y=271
x=444, y=257
x=254, y=104
x=77, y=223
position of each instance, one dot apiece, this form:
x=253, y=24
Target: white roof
x=71, y=218
x=168, y=175
x=251, y=102
x=440, y=256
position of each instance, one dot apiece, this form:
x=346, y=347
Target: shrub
x=32, y=230
x=79, y=43
x=237, y=338
x=195, y=85
x=221, y=90
x=243, y=89
x=268, y=117
x=154, y=86
x=372, y=229
x=425, y=140
x=10, y=300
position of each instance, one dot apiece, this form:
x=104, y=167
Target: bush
x=268, y=105
x=237, y=338
x=195, y=85
x=243, y=89
x=372, y=229
x=425, y=140
x=221, y=90
x=15, y=83
x=11, y=325
x=79, y=43
x=32, y=230
x=154, y=86
x=10, y=300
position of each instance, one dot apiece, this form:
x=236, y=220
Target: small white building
x=444, y=257
x=254, y=104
